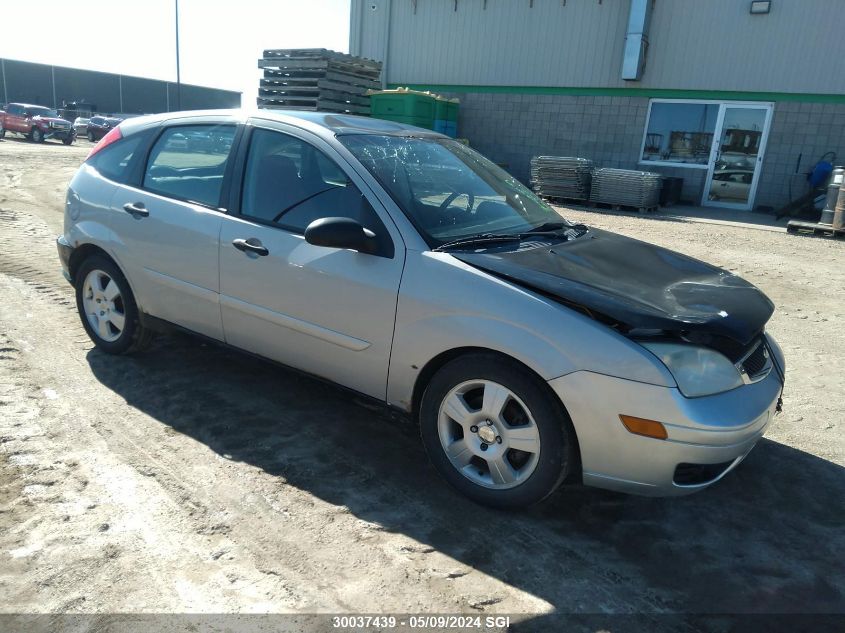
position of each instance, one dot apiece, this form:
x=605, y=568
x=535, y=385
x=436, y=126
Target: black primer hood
x=635, y=284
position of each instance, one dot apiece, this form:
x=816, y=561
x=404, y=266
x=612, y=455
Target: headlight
x=697, y=370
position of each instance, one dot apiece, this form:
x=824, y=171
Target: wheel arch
x=438, y=362
x=84, y=251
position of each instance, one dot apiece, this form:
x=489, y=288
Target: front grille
x=695, y=474
x=757, y=364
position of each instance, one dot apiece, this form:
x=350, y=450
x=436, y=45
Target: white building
x=739, y=97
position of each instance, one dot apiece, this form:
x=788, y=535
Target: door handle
x=136, y=209
x=250, y=245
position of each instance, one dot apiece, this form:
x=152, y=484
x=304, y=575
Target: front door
x=326, y=311
x=16, y=119
x=737, y=155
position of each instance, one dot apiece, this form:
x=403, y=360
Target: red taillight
x=114, y=135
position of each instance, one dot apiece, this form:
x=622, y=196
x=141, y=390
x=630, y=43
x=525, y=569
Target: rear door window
x=188, y=162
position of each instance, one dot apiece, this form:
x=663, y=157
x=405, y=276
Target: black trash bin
x=670, y=193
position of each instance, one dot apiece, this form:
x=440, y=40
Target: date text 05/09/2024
x=421, y=622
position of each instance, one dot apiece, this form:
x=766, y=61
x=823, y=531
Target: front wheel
x=90, y=136
x=68, y=140
x=107, y=308
x=496, y=432
x=37, y=135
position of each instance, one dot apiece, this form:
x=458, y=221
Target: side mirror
x=341, y=233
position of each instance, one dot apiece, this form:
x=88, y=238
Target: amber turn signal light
x=641, y=426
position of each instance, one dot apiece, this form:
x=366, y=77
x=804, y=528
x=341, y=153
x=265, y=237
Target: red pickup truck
x=37, y=123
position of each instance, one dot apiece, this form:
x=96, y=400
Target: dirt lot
x=194, y=479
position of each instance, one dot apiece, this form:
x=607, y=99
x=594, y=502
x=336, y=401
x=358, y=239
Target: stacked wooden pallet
x=317, y=79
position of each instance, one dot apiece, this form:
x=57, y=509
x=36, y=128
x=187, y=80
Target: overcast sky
x=220, y=40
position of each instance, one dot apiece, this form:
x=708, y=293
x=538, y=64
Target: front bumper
x=59, y=133
x=65, y=251
x=716, y=432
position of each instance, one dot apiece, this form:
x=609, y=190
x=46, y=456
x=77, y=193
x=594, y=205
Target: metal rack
x=561, y=177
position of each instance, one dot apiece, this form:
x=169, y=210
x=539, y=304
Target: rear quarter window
x=115, y=161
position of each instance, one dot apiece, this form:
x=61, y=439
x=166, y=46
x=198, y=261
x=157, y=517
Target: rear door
x=169, y=222
x=323, y=310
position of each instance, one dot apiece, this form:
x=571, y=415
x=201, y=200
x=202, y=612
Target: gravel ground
x=194, y=479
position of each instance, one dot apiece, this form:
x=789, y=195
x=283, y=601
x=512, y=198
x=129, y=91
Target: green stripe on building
x=655, y=93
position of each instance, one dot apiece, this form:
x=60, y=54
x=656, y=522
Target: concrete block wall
x=511, y=128
x=800, y=134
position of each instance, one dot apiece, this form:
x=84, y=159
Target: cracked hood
x=634, y=283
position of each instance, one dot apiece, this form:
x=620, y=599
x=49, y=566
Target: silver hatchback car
x=405, y=266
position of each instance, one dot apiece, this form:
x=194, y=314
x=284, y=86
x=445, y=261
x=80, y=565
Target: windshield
x=41, y=112
x=448, y=190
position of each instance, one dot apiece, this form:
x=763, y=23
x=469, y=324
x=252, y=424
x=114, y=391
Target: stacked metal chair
x=561, y=177
x=625, y=187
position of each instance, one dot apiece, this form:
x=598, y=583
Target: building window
x=679, y=133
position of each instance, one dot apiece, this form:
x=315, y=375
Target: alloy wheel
x=488, y=434
x=103, y=305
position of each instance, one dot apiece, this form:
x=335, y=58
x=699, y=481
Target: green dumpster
x=446, y=116
x=404, y=106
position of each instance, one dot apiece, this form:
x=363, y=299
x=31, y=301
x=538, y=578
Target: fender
x=436, y=314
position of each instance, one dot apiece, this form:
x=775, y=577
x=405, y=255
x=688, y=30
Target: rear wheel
x=496, y=432
x=107, y=308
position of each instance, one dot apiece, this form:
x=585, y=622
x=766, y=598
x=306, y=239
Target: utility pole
x=178, y=75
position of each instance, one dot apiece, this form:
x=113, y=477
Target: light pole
x=178, y=75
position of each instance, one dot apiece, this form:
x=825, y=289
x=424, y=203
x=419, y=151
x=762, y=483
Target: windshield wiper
x=555, y=229
x=481, y=238
x=551, y=228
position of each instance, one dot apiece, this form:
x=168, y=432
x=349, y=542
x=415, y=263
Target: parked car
x=36, y=123
x=406, y=267
x=80, y=126
x=731, y=184
x=99, y=126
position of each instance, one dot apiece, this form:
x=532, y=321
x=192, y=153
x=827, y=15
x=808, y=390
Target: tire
x=91, y=136
x=462, y=399
x=68, y=140
x=2, y=132
x=117, y=328
x=36, y=135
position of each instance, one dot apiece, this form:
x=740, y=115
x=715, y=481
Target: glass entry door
x=737, y=155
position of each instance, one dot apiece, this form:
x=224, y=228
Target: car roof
x=322, y=123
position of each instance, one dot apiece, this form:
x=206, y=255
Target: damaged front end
x=645, y=292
